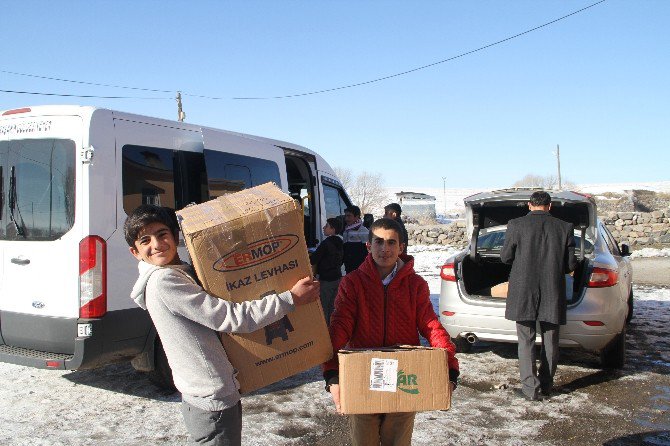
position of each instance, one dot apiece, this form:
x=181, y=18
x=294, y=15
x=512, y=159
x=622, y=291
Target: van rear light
x=16, y=111
x=92, y=277
x=448, y=272
x=603, y=277
x=448, y=313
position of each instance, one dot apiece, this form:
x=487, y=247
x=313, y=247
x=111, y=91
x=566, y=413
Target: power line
x=327, y=90
x=429, y=65
x=77, y=95
x=82, y=82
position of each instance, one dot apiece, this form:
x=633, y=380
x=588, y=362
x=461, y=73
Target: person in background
x=383, y=303
x=541, y=250
x=188, y=320
x=355, y=237
x=393, y=211
x=327, y=263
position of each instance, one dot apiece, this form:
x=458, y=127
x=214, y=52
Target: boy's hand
x=335, y=393
x=305, y=291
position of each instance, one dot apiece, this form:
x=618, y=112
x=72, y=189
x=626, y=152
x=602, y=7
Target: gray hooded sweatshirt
x=187, y=320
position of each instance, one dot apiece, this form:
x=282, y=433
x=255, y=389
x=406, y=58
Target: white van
x=69, y=175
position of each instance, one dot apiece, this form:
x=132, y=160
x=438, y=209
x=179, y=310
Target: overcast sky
x=595, y=83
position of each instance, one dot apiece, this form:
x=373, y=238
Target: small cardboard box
x=500, y=290
x=244, y=246
x=394, y=379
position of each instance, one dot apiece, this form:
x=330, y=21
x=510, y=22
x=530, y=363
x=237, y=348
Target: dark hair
x=146, y=214
x=540, y=198
x=386, y=223
x=335, y=223
x=395, y=207
x=354, y=210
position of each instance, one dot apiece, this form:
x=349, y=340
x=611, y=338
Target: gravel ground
x=115, y=405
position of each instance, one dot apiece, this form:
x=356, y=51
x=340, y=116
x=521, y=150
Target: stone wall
x=637, y=229
x=452, y=234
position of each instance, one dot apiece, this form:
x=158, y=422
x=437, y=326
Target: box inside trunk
x=488, y=277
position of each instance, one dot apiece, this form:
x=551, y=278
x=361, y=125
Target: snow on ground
x=650, y=252
x=115, y=405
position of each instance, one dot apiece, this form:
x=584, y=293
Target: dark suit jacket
x=541, y=250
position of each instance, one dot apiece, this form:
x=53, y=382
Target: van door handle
x=20, y=261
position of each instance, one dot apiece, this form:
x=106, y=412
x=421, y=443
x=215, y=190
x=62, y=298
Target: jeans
x=219, y=428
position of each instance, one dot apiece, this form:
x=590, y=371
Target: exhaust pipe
x=471, y=338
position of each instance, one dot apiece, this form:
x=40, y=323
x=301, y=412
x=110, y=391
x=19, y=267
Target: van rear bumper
x=86, y=350
x=52, y=343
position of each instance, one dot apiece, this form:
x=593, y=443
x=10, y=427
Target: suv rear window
x=37, y=184
x=491, y=240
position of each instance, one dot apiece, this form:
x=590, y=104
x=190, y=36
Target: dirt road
x=651, y=271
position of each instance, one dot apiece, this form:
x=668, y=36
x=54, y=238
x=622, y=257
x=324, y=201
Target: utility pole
x=444, y=195
x=558, y=159
x=180, y=112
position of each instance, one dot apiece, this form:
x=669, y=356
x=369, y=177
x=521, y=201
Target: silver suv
x=599, y=292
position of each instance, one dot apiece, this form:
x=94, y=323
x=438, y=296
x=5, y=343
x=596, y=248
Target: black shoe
x=520, y=393
x=546, y=392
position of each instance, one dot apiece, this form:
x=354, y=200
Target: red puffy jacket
x=369, y=315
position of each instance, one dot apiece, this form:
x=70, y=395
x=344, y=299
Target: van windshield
x=37, y=183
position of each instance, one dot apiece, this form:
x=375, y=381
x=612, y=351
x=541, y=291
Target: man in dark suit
x=541, y=250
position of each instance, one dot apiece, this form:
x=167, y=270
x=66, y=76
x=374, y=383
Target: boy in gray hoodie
x=187, y=320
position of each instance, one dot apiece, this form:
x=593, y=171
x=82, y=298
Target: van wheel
x=161, y=375
x=629, y=317
x=462, y=346
x=614, y=355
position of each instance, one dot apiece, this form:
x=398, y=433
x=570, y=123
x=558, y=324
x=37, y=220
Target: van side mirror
x=368, y=219
x=625, y=250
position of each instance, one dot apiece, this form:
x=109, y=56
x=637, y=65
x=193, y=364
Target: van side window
x=38, y=188
x=230, y=172
x=335, y=201
x=148, y=177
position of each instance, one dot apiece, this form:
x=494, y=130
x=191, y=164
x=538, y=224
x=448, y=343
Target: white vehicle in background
x=599, y=292
x=69, y=175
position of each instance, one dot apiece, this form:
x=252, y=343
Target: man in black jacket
x=393, y=211
x=327, y=263
x=541, y=250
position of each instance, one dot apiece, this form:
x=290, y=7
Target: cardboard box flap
x=267, y=199
x=388, y=349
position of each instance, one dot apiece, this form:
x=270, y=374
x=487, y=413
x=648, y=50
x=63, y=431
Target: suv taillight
x=448, y=272
x=603, y=277
x=92, y=277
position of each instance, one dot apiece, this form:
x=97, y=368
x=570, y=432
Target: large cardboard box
x=244, y=246
x=394, y=379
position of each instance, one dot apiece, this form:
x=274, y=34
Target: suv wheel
x=629, y=317
x=161, y=375
x=614, y=355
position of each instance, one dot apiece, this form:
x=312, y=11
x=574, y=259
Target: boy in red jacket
x=384, y=303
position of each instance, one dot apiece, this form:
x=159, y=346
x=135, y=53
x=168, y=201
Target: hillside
x=645, y=197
